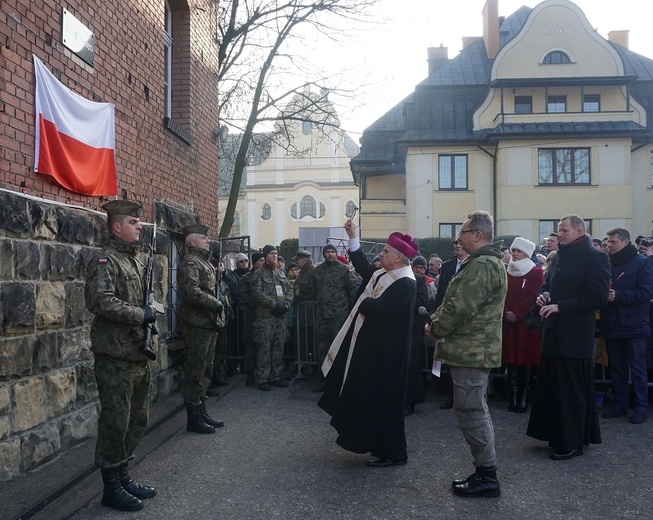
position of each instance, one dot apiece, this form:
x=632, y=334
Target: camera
x=646, y=242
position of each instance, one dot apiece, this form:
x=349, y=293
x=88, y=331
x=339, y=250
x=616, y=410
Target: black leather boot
x=461, y=481
x=208, y=419
x=195, y=422
x=115, y=495
x=483, y=484
x=524, y=389
x=514, y=385
x=250, y=378
x=132, y=487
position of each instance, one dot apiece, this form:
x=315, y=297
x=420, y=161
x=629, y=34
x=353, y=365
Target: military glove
x=280, y=309
x=149, y=314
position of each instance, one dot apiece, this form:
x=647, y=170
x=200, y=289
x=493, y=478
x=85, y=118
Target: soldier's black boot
x=115, y=495
x=208, y=419
x=250, y=378
x=132, y=487
x=195, y=422
x=484, y=483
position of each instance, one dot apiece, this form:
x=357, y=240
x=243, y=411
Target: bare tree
x=258, y=68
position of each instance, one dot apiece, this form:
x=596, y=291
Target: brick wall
x=152, y=162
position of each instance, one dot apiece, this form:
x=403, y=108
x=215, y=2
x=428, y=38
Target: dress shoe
x=409, y=410
x=448, y=404
x=264, y=387
x=212, y=392
x=566, y=455
x=638, y=417
x=484, y=483
x=384, y=463
x=615, y=412
x=320, y=388
x=278, y=383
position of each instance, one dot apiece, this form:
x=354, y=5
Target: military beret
x=200, y=229
x=123, y=207
x=302, y=253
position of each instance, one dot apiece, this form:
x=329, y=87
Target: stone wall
x=48, y=395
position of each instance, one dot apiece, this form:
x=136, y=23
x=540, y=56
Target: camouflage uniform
x=335, y=292
x=245, y=289
x=304, y=314
x=269, y=286
x=197, y=313
x=114, y=293
x=221, y=343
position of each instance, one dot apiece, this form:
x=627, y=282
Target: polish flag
x=75, y=137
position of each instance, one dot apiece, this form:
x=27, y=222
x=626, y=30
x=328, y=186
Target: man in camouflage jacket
x=334, y=287
x=245, y=289
x=198, y=313
x=273, y=297
x=468, y=327
x=114, y=294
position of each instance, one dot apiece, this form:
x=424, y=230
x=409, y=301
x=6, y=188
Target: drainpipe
x=494, y=182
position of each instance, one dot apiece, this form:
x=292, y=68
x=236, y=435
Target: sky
x=389, y=57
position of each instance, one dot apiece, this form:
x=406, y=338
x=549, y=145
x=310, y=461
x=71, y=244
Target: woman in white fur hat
x=521, y=347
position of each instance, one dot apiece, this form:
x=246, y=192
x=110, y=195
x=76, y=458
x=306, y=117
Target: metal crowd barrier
x=305, y=340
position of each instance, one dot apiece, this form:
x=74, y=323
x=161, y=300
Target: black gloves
x=149, y=314
x=280, y=309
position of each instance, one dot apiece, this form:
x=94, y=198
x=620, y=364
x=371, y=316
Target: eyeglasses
x=463, y=231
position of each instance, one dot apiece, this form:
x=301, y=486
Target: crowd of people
x=528, y=311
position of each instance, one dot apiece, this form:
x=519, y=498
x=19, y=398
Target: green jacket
x=269, y=287
x=471, y=315
x=335, y=290
x=303, y=289
x=196, y=281
x=114, y=293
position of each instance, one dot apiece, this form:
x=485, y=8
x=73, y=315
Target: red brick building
x=156, y=60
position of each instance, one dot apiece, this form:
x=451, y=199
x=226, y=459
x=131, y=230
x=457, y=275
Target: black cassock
x=368, y=413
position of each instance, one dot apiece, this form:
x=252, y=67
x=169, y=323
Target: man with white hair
x=198, y=316
x=366, y=365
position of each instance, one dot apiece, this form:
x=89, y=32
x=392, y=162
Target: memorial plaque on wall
x=77, y=37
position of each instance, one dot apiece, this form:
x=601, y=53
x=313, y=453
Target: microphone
x=547, y=297
x=425, y=314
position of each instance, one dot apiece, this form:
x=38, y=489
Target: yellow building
x=297, y=176
x=539, y=118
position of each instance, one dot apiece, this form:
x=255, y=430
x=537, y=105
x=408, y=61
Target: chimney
x=437, y=56
x=491, y=28
x=620, y=37
x=468, y=40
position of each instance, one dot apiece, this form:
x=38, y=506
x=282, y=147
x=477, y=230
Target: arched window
x=293, y=210
x=349, y=208
x=556, y=58
x=322, y=209
x=266, y=211
x=307, y=207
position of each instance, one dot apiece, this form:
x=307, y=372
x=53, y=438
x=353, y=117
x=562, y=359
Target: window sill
x=178, y=130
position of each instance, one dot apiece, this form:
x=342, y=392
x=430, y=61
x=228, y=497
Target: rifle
x=150, y=328
x=218, y=320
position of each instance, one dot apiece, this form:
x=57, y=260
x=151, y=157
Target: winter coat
x=578, y=282
x=632, y=278
x=471, y=315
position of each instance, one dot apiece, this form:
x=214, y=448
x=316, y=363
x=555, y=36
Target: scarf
x=520, y=267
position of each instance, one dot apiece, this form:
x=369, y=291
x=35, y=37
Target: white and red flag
x=75, y=137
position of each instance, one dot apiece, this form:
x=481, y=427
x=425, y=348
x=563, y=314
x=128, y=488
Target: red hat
x=343, y=259
x=403, y=243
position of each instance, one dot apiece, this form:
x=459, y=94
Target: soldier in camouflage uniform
x=114, y=293
x=273, y=297
x=198, y=313
x=334, y=287
x=221, y=344
x=245, y=290
x=468, y=325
